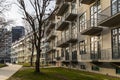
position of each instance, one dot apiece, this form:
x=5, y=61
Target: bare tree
x=4, y=6
x=41, y=12
x=30, y=42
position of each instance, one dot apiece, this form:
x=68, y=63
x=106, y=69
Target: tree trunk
x=37, y=67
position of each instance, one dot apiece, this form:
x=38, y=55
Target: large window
x=74, y=52
x=94, y=10
x=82, y=47
x=82, y=22
x=67, y=54
x=116, y=43
x=95, y=47
x=115, y=6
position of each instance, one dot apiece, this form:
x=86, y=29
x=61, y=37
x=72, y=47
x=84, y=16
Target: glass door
x=116, y=43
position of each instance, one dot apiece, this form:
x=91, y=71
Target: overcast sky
x=15, y=14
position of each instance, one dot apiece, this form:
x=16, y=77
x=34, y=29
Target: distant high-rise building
x=5, y=45
x=17, y=32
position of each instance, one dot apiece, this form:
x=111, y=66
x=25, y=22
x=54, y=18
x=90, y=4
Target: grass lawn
x=2, y=65
x=58, y=74
x=25, y=64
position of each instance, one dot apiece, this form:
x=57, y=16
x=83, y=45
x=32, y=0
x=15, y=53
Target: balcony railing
x=62, y=24
x=50, y=26
x=51, y=36
x=92, y=28
x=105, y=55
x=107, y=18
x=59, y=1
x=88, y=2
x=71, y=37
x=49, y=49
x=86, y=57
x=71, y=14
x=63, y=6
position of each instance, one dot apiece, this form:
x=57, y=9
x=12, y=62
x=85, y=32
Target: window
x=115, y=6
x=95, y=68
x=82, y=22
x=57, y=53
x=74, y=52
x=67, y=54
x=62, y=53
x=82, y=66
x=82, y=47
x=117, y=70
x=95, y=47
x=116, y=43
x=94, y=10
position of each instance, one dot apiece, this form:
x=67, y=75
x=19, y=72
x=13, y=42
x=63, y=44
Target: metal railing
x=49, y=25
x=107, y=13
x=67, y=38
x=105, y=54
x=90, y=24
x=52, y=33
x=71, y=10
x=60, y=22
x=62, y=3
x=85, y=56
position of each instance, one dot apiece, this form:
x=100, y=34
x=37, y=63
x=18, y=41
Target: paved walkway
x=8, y=71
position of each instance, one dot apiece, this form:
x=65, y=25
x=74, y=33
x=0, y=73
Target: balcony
x=71, y=14
x=91, y=28
x=107, y=18
x=51, y=36
x=59, y=1
x=62, y=43
x=50, y=49
x=62, y=8
x=85, y=57
x=70, y=38
x=88, y=2
x=50, y=26
x=62, y=25
x=106, y=55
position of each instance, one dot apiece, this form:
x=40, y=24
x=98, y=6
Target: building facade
x=5, y=45
x=85, y=34
x=17, y=32
x=22, y=51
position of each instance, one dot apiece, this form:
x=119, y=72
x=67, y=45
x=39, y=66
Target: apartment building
x=22, y=50
x=87, y=36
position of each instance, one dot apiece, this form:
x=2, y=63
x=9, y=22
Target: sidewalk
x=8, y=71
